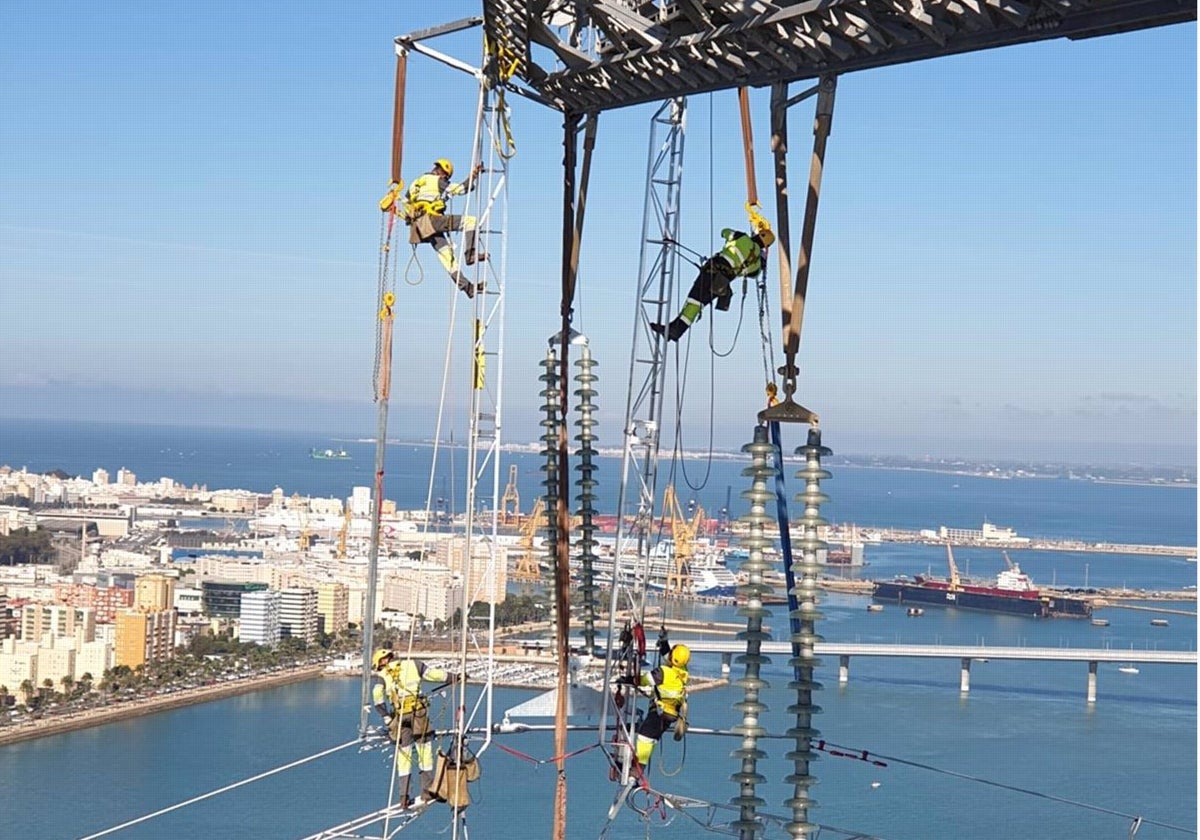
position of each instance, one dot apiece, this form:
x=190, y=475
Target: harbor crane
x=683, y=538
x=527, y=568
x=955, y=579
x=510, y=499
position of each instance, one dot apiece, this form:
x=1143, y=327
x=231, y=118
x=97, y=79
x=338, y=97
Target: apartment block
x=333, y=607
x=154, y=593
x=432, y=592
x=18, y=662
x=487, y=579
x=223, y=599
x=188, y=600
x=144, y=637
x=298, y=614
x=41, y=621
x=55, y=661
x=106, y=601
x=93, y=658
x=260, y=618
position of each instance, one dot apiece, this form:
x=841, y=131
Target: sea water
x=982, y=765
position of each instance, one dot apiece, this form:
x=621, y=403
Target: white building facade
x=260, y=617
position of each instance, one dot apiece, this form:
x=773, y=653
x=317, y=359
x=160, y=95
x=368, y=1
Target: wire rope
x=1027, y=791
x=212, y=793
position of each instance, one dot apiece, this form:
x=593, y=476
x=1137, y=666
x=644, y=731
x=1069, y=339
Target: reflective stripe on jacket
x=741, y=252
x=670, y=687
x=428, y=194
x=402, y=684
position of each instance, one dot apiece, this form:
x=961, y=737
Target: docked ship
x=1012, y=592
x=329, y=454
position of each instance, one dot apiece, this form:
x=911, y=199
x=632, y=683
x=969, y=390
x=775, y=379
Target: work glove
x=627, y=680
x=387, y=720
x=664, y=646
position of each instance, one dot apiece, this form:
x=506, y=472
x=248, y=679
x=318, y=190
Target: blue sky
x=1005, y=261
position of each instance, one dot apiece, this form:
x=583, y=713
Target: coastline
x=151, y=705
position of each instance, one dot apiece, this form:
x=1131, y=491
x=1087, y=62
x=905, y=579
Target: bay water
x=1024, y=725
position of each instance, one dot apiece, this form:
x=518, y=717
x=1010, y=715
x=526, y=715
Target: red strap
x=557, y=758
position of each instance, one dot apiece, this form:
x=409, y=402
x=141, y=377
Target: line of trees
x=24, y=546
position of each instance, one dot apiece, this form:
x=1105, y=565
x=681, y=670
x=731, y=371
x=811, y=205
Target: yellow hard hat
x=766, y=237
x=681, y=655
x=446, y=166
x=378, y=658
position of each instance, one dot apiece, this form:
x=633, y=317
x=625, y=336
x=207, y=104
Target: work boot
x=672, y=330
x=472, y=257
x=468, y=288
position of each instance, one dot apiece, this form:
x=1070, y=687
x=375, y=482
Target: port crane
x=955, y=579
x=527, y=567
x=510, y=502
x=683, y=540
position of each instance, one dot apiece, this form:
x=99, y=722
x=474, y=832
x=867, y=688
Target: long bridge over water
x=965, y=654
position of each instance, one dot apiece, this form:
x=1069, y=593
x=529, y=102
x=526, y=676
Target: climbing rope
x=413, y=259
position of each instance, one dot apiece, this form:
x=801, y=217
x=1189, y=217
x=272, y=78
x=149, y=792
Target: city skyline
x=991, y=275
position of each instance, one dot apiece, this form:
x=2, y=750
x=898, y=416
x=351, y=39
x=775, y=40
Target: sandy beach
x=149, y=705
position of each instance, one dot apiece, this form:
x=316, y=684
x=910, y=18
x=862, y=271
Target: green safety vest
x=741, y=252
x=670, y=686
x=427, y=195
x=402, y=684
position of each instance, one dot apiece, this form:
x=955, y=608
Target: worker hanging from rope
x=743, y=255
x=405, y=711
x=668, y=682
x=425, y=214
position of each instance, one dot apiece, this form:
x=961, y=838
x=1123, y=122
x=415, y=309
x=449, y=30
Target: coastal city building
x=40, y=622
x=154, y=593
x=106, y=601
x=223, y=599
x=297, y=614
x=333, y=607
x=143, y=636
x=100, y=477
x=360, y=501
x=260, y=618
x=18, y=662
x=188, y=600
x=433, y=592
x=484, y=581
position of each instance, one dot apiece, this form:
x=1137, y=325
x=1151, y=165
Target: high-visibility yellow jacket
x=670, y=687
x=401, y=685
x=741, y=252
x=428, y=194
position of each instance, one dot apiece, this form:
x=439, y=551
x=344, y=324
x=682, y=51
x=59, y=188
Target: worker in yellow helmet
x=669, y=685
x=742, y=255
x=405, y=710
x=425, y=213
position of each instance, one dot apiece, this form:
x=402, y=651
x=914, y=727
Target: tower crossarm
x=612, y=53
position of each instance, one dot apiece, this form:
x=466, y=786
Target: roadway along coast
x=149, y=705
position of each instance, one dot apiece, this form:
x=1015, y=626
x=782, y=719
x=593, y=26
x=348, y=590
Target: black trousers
x=656, y=723
x=713, y=283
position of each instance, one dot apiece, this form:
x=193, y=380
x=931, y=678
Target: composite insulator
x=752, y=593
x=805, y=573
x=550, y=424
x=587, y=483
